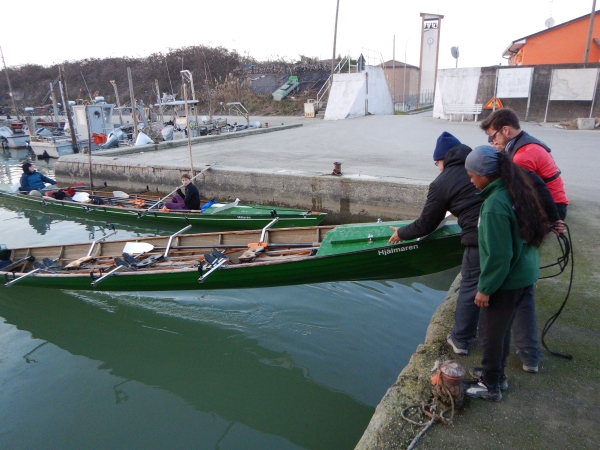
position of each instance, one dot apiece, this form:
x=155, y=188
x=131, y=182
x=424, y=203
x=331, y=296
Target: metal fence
x=413, y=101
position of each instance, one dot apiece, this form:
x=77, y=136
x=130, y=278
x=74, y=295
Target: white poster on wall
x=573, y=84
x=514, y=83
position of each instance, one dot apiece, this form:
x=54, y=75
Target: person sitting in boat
x=190, y=199
x=32, y=180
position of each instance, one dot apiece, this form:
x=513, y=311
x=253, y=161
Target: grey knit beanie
x=483, y=161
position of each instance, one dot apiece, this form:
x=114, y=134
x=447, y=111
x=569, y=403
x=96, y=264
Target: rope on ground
x=566, y=247
x=441, y=397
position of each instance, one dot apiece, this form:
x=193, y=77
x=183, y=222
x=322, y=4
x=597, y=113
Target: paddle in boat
x=234, y=259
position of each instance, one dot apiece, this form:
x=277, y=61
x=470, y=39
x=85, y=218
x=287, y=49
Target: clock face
x=430, y=41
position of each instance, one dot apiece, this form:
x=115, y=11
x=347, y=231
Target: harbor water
x=297, y=367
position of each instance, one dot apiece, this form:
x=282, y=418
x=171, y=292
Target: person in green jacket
x=512, y=225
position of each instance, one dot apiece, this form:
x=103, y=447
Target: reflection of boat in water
x=234, y=259
x=42, y=220
x=217, y=371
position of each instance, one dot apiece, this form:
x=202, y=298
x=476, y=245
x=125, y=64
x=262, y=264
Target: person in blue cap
x=512, y=225
x=453, y=191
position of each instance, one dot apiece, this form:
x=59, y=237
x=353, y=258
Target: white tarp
x=358, y=94
x=573, y=84
x=514, y=83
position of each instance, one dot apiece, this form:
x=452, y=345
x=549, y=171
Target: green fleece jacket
x=507, y=262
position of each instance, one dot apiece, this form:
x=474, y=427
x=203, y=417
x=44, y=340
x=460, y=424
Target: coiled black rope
x=562, y=262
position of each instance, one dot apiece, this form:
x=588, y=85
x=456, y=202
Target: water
x=300, y=367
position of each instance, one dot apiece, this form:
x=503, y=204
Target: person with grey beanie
x=512, y=225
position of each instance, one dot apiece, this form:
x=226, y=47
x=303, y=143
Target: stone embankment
x=387, y=430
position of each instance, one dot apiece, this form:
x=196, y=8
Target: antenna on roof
x=455, y=53
x=550, y=21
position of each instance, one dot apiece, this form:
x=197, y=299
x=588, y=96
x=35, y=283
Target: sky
x=271, y=29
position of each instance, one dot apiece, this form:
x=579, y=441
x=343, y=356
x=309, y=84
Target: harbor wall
x=345, y=200
x=553, y=92
x=387, y=429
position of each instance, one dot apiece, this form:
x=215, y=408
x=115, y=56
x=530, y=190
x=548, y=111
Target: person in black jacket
x=453, y=191
x=190, y=199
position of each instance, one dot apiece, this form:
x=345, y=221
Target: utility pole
x=589, y=37
x=394, y=73
x=337, y=8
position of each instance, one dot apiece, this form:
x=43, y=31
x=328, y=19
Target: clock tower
x=430, y=46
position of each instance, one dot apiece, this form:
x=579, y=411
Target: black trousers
x=495, y=321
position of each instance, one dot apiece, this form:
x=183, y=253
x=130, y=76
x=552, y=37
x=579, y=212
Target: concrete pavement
x=386, y=163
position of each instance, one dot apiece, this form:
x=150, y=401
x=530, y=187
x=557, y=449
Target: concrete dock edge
x=387, y=430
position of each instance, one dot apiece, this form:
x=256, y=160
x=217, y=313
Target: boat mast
x=10, y=93
x=54, y=105
x=67, y=107
x=114, y=83
x=133, y=105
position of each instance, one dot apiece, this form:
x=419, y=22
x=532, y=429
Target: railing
x=409, y=102
x=327, y=85
x=372, y=57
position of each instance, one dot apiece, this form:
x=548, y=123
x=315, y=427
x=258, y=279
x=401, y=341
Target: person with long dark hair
x=512, y=225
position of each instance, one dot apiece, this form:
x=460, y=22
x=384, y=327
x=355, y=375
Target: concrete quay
x=386, y=163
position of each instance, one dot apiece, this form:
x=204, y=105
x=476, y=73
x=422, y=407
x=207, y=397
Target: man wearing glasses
x=505, y=134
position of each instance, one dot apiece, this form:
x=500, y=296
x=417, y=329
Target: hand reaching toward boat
x=395, y=238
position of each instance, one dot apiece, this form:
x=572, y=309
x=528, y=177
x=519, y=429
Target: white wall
x=347, y=96
x=356, y=94
x=455, y=86
x=379, y=95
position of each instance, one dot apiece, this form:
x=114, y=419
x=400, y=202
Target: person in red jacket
x=504, y=132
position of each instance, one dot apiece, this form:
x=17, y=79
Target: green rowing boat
x=224, y=216
x=235, y=259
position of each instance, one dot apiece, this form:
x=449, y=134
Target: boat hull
x=226, y=221
x=374, y=260
x=51, y=149
x=17, y=141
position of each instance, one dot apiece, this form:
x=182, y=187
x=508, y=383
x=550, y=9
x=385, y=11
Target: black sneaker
x=480, y=390
x=456, y=348
x=477, y=372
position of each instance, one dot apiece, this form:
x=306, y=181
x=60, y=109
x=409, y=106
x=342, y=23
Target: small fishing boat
x=13, y=138
x=118, y=206
x=234, y=259
x=52, y=146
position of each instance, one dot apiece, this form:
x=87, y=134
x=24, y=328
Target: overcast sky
x=46, y=33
